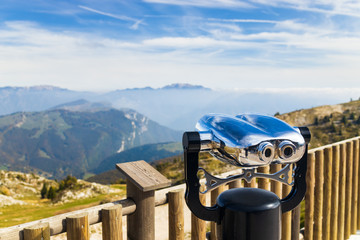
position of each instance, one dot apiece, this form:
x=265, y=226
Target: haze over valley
x=177, y=106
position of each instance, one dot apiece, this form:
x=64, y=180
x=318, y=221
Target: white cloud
x=216, y=25
x=192, y=43
x=205, y=3
x=31, y=55
x=136, y=22
x=329, y=7
x=243, y=20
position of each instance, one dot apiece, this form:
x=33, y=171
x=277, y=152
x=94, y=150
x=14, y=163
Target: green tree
x=332, y=127
x=44, y=191
x=358, y=120
x=343, y=119
x=70, y=181
x=326, y=119
x=61, y=185
x=316, y=121
x=51, y=194
x=352, y=116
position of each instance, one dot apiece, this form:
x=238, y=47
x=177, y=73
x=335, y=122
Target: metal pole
x=249, y=214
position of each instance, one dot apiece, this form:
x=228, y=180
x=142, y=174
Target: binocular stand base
x=249, y=214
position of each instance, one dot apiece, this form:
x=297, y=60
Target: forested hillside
x=60, y=142
x=328, y=124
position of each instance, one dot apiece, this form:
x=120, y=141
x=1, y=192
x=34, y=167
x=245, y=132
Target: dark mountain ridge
x=147, y=152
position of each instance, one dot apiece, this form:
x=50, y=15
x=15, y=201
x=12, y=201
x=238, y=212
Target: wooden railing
x=331, y=207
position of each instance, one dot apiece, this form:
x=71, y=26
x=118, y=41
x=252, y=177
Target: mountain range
x=177, y=106
x=84, y=137
x=74, y=138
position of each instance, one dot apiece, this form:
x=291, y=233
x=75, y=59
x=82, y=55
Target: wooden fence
x=331, y=206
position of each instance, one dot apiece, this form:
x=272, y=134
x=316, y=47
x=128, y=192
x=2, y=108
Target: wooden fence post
x=176, y=214
x=198, y=226
x=77, y=227
x=295, y=223
x=348, y=193
x=358, y=207
x=264, y=183
x=335, y=193
x=112, y=223
x=142, y=180
x=309, y=198
x=214, y=194
x=342, y=178
x=40, y=231
x=355, y=184
x=235, y=184
x=276, y=187
x=286, y=217
x=319, y=197
x=328, y=160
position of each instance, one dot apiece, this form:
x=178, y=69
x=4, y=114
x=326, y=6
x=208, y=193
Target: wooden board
x=143, y=175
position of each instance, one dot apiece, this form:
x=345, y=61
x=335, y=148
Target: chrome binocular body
x=250, y=140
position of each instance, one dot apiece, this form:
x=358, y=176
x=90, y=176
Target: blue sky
x=221, y=44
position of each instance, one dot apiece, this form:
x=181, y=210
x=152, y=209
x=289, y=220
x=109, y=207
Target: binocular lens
x=266, y=152
x=287, y=149
x=288, y=152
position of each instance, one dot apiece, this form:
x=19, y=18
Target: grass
x=88, y=175
x=119, y=186
x=41, y=208
x=171, y=147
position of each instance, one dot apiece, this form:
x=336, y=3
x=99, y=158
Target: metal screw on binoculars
x=247, y=141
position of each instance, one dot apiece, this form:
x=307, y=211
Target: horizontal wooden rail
x=58, y=223
x=333, y=144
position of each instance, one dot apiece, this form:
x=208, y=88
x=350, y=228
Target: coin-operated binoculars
x=248, y=141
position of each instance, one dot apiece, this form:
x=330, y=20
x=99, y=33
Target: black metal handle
x=191, y=143
x=298, y=190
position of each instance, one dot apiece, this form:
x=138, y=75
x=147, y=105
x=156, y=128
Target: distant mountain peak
x=144, y=88
x=173, y=86
x=185, y=86
x=36, y=88
x=45, y=88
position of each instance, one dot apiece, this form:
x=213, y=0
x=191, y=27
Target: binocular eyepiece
x=250, y=140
